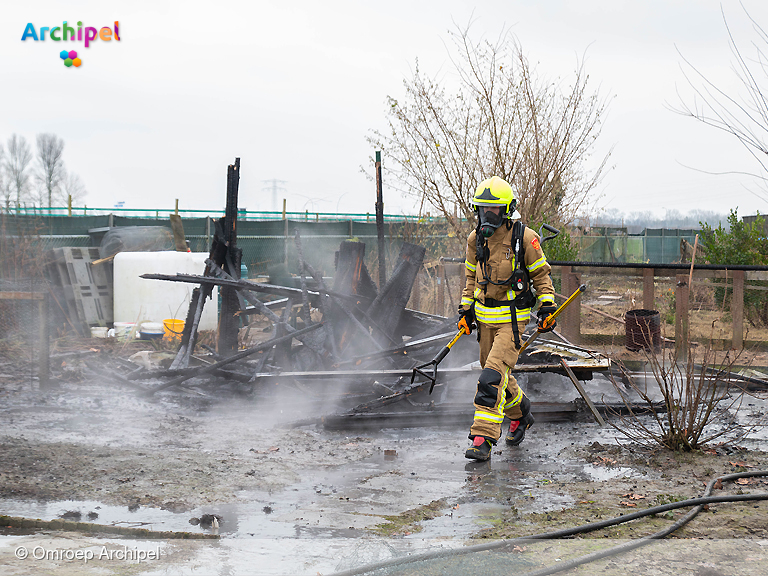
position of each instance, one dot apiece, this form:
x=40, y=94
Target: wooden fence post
x=648, y=295
x=737, y=309
x=681, y=318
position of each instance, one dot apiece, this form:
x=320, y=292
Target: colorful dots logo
x=70, y=58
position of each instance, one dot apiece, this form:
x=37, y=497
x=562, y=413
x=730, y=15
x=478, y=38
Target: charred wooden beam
x=229, y=323
x=235, y=357
x=420, y=324
x=305, y=311
x=387, y=309
x=189, y=334
x=349, y=267
x=412, y=346
x=446, y=372
x=312, y=343
x=323, y=302
x=284, y=291
x=384, y=335
x=456, y=415
x=380, y=221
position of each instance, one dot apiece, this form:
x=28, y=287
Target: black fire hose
x=699, y=503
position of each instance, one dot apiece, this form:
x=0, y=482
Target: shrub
x=743, y=244
x=695, y=406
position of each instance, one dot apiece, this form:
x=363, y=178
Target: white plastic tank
x=140, y=300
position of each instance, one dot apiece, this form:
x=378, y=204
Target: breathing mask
x=490, y=219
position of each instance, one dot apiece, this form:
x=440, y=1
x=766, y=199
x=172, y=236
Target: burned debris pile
x=344, y=335
x=352, y=346
x=355, y=337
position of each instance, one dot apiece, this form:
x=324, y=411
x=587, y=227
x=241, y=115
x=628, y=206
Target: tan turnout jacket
x=499, y=268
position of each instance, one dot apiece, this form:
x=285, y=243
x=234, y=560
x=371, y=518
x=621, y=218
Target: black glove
x=467, y=317
x=544, y=311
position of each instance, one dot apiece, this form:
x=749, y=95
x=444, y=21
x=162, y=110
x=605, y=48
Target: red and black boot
x=517, y=428
x=480, y=449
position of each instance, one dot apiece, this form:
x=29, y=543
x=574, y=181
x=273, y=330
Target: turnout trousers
x=497, y=396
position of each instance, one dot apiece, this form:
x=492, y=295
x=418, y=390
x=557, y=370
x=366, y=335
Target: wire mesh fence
x=726, y=310
x=24, y=331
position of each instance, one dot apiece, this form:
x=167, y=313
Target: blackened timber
x=373, y=324
x=285, y=291
x=448, y=415
x=387, y=309
x=352, y=275
x=380, y=222
x=352, y=278
x=305, y=312
x=366, y=287
x=324, y=338
x=267, y=356
x=447, y=372
x=189, y=334
x=234, y=358
x=421, y=325
x=280, y=352
x=390, y=399
x=197, y=302
x=349, y=267
x=410, y=347
x=356, y=323
x=230, y=303
x=324, y=302
x=265, y=311
x=347, y=280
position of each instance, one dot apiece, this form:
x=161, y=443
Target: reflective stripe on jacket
x=499, y=268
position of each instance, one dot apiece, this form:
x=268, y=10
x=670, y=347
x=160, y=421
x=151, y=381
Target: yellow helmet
x=494, y=192
x=491, y=193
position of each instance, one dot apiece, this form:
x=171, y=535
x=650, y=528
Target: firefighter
x=504, y=261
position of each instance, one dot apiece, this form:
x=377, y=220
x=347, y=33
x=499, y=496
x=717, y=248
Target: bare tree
x=72, y=185
x=742, y=109
x=16, y=163
x=50, y=166
x=503, y=120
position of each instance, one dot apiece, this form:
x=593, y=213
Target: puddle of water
x=328, y=504
x=459, y=521
x=602, y=473
x=143, y=517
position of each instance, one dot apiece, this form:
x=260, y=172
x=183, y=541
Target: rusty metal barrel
x=643, y=330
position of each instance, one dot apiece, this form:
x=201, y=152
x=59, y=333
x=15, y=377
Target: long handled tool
x=548, y=322
x=463, y=329
x=550, y=319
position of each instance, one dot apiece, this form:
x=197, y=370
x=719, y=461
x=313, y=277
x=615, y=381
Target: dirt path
x=320, y=495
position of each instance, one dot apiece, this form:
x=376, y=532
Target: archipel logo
x=66, y=33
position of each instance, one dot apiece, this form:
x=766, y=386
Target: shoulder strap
x=518, y=249
x=525, y=299
x=518, y=230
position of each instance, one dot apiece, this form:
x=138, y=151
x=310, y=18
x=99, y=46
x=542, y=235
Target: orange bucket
x=172, y=329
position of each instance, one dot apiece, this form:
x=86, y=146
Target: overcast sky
x=292, y=88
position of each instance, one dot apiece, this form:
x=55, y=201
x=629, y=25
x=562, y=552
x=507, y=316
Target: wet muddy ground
x=307, y=500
